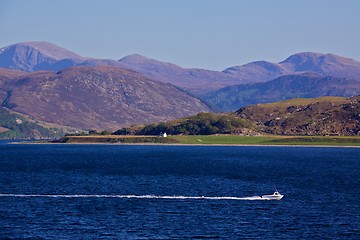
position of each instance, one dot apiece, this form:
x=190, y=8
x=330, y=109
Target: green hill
x=15, y=126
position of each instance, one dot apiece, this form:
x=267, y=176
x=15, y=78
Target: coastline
x=206, y=140
x=188, y=145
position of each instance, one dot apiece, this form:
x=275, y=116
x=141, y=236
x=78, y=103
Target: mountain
x=259, y=71
x=97, y=97
x=307, y=85
x=320, y=116
x=324, y=64
x=193, y=79
x=33, y=56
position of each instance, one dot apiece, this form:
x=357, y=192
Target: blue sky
x=210, y=34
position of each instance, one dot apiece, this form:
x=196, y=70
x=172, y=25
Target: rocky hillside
x=307, y=85
x=320, y=116
x=96, y=98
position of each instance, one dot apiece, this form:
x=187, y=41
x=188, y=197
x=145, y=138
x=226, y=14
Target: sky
x=209, y=34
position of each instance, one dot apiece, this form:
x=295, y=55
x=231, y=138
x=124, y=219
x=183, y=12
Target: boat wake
x=130, y=196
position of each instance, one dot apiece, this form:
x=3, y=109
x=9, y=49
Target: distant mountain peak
x=49, y=49
x=32, y=56
x=302, y=56
x=306, y=61
x=326, y=64
x=142, y=60
x=136, y=58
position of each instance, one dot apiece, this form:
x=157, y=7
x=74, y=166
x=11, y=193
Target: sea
x=55, y=191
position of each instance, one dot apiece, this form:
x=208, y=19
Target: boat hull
x=272, y=197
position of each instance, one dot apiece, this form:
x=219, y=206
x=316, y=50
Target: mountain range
x=35, y=56
x=323, y=64
x=49, y=83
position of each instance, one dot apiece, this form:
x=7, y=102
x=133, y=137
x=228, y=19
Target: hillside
x=6, y=75
x=97, y=98
x=319, y=116
x=307, y=85
x=15, y=126
x=9, y=74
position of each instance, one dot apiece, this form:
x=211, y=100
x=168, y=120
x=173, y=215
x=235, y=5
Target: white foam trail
x=129, y=196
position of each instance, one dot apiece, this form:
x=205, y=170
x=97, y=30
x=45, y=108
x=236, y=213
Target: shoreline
x=189, y=145
x=205, y=140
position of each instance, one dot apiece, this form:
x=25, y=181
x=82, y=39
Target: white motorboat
x=275, y=196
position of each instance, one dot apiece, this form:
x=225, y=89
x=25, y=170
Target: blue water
x=114, y=192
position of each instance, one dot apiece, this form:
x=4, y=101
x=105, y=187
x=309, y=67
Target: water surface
x=179, y=192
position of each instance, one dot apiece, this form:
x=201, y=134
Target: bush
x=201, y=124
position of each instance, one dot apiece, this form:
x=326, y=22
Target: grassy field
x=269, y=140
x=303, y=101
x=221, y=139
